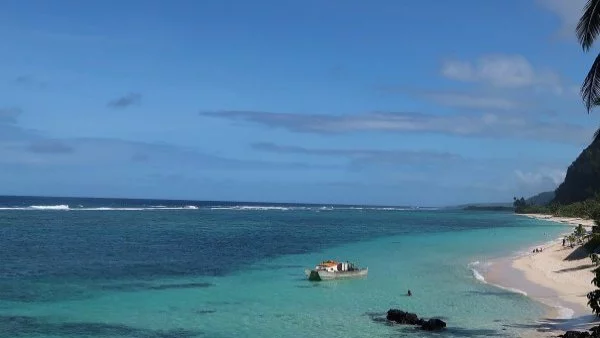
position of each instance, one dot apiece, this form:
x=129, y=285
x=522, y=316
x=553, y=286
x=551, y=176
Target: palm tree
x=587, y=30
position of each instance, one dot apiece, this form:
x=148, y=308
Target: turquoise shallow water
x=61, y=282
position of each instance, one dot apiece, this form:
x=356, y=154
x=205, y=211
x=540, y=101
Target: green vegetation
x=592, y=243
x=594, y=296
x=579, y=231
x=521, y=206
x=586, y=209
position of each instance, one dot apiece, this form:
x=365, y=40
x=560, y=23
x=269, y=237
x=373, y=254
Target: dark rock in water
x=402, y=317
x=433, y=324
x=575, y=334
x=407, y=318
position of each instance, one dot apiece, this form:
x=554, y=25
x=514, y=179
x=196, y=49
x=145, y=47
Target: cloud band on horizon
x=465, y=125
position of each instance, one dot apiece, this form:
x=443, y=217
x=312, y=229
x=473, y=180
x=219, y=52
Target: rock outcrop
x=576, y=334
x=407, y=318
x=402, y=317
x=433, y=324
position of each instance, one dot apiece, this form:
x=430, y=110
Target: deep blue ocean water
x=139, y=268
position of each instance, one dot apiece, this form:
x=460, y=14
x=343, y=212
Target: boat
x=331, y=269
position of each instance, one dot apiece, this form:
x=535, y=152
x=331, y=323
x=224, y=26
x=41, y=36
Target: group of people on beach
x=536, y=250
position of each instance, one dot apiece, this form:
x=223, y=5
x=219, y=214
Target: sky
x=344, y=101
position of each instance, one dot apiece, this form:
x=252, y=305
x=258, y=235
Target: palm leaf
x=590, y=90
x=588, y=26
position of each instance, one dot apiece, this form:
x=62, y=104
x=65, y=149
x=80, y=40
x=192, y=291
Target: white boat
x=333, y=270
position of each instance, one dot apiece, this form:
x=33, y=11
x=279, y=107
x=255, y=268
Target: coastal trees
x=594, y=296
x=519, y=203
x=571, y=239
x=579, y=231
x=522, y=206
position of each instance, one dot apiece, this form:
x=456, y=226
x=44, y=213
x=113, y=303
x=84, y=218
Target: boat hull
x=318, y=275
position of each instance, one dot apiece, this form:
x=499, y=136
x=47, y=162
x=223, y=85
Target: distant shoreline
x=548, y=278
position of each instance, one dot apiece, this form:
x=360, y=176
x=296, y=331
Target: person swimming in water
x=409, y=293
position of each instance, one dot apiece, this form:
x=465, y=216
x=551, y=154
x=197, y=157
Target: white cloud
x=361, y=158
x=568, y=11
x=503, y=71
x=470, y=101
x=473, y=125
x=548, y=177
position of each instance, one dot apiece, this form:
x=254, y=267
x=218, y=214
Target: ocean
x=72, y=267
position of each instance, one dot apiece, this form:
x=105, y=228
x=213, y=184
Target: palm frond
x=590, y=90
x=588, y=26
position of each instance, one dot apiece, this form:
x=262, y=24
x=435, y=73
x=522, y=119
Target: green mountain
x=543, y=198
x=583, y=177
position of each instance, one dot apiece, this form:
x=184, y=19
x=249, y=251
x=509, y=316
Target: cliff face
x=583, y=177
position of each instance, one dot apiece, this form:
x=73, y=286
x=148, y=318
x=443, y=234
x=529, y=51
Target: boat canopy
x=328, y=263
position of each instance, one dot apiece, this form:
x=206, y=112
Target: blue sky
x=380, y=102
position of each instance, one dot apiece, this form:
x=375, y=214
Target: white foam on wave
x=250, y=208
x=49, y=207
x=313, y=208
x=111, y=209
x=564, y=312
x=478, y=275
x=513, y=290
x=189, y=207
x=81, y=208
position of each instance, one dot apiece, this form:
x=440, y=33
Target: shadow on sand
x=558, y=326
x=577, y=268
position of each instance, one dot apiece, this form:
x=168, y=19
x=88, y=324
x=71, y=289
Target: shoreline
x=560, y=285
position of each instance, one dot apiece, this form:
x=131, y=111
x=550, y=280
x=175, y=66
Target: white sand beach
x=552, y=279
x=570, y=279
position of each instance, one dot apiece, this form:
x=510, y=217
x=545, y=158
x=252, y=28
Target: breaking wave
x=242, y=207
x=64, y=207
x=49, y=207
x=477, y=275
x=259, y=208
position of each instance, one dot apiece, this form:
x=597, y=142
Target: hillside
x=583, y=177
x=543, y=198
